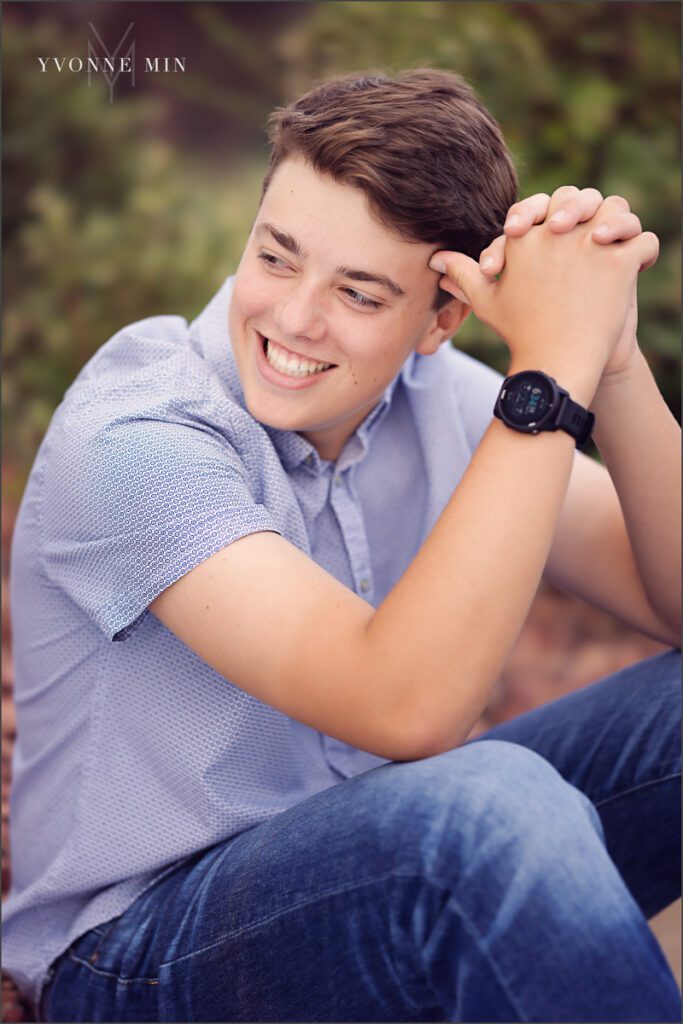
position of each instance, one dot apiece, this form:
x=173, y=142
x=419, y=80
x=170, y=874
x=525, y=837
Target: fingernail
x=438, y=265
x=558, y=217
x=486, y=262
x=512, y=221
x=601, y=231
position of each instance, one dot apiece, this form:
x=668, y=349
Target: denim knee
x=478, y=803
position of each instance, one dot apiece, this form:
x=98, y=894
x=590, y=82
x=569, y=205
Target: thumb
x=462, y=276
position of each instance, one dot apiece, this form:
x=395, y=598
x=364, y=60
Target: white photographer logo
x=111, y=64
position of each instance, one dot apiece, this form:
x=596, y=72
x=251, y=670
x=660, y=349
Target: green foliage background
x=110, y=215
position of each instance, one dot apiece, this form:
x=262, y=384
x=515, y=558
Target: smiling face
x=326, y=307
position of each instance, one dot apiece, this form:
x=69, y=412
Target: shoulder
x=144, y=359
x=147, y=470
x=150, y=372
x=147, y=412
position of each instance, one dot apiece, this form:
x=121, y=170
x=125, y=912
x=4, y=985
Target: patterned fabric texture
x=132, y=753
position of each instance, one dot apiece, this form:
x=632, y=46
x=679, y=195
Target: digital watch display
x=532, y=402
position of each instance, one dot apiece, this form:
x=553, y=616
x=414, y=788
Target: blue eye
x=362, y=300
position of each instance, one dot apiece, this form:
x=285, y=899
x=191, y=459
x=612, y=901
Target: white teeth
x=292, y=366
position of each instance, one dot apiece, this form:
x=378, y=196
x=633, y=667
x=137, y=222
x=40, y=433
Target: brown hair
x=428, y=155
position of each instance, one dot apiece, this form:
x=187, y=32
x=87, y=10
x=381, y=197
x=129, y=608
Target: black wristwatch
x=532, y=402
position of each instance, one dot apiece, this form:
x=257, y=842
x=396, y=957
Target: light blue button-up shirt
x=135, y=754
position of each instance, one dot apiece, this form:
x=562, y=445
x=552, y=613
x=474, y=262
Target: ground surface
x=564, y=645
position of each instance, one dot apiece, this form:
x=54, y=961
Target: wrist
x=580, y=378
x=635, y=365
x=623, y=386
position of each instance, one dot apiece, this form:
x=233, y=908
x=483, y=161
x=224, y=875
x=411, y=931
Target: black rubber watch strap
x=576, y=420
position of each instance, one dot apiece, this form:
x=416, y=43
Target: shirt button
x=338, y=479
x=364, y=585
x=309, y=459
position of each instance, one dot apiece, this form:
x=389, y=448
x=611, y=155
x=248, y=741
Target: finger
x=461, y=275
x=447, y=285
x=561, y=198
x=492, y=259
x=617, y=227
x=650, y=244
x=645, y=247
x=521, y=216
x=574, y=208
x=615, y=204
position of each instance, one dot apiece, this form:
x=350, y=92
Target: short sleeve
x=131, y=505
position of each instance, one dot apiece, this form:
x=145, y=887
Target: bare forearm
x=640, y=443
x=443, y=633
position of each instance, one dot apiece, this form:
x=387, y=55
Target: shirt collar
x=210, y=330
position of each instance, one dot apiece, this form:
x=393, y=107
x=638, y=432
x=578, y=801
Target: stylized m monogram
x=110, y=61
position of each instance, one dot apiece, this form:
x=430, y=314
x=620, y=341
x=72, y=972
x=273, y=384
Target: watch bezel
x=548, y=421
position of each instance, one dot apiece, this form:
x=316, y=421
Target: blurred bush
x=110, y=217
x=104, y=224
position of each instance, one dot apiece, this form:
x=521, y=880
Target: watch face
x=528, y=399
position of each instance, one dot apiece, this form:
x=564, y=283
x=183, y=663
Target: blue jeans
x=508, y=879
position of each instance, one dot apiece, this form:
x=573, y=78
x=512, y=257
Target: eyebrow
x=290, y=243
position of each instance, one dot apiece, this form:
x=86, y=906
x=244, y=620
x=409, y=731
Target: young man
x=315, y=546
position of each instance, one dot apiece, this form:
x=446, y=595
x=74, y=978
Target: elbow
x=420, y=720
x=420, y=747
x=421, y=736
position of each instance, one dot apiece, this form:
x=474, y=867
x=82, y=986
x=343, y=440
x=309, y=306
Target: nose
x=298, y=313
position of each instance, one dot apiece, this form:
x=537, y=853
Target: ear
x=447, y=322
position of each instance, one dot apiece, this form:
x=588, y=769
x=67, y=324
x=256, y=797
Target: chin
x=264, y=413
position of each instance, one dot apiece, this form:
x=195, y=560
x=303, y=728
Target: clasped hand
x=562, y=278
